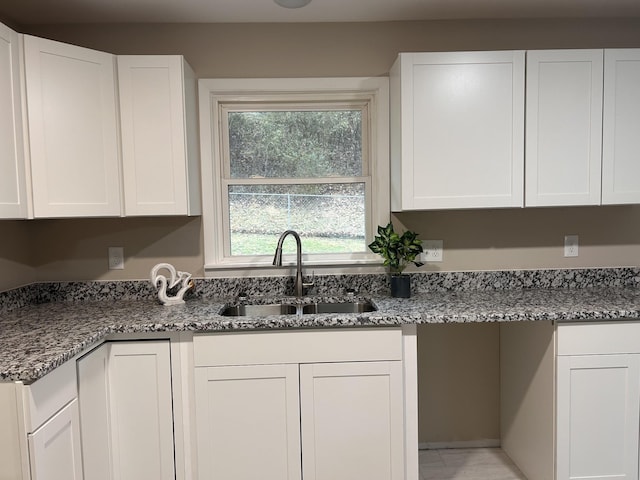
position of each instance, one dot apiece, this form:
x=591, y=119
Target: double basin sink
x=254, y=310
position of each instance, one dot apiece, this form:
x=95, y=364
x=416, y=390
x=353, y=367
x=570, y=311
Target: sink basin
x=343, y=307
x=252, y=310
x=259, y=310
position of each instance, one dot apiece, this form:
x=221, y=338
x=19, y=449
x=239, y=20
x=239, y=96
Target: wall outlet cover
x=433, y=251
x=571, y=246
x=116, y=258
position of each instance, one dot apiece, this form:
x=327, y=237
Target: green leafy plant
x=398, y=251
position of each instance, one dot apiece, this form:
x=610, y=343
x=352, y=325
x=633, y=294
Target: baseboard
x=483, y=443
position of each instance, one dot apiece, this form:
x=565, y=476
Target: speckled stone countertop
x=36, y=338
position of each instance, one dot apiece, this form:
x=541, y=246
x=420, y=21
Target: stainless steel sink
x=252, y=310
x=259, y=310
x=342, y=307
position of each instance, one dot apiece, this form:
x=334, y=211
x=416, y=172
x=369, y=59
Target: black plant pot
x=400, y=286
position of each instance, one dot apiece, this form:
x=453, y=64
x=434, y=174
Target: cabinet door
x=598, y=404
x=126, y=411
x=158, y=151
x=71, y=103
x=248, y=422
x=54, y=448
x=460, y=130
x=13, y=195
x=93, y=398
x=352, y=421
x=621, y=127
x=564, y=127
x=141, y=410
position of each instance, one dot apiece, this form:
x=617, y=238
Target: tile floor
x=467, y=464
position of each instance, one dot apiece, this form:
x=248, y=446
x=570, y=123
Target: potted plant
x=398, y=251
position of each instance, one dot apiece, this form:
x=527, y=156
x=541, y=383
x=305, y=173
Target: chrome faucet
x=299, y=284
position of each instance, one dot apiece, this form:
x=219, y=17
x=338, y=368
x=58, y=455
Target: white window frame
x=215, y=93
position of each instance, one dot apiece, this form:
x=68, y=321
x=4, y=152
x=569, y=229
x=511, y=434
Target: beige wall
x=16, y=245
x=458, y=364
x=458, y=383
x=76, y=249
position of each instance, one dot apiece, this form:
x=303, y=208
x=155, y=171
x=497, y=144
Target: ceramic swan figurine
x=162, y=284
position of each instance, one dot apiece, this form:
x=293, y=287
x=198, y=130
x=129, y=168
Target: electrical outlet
x=432, y=251
x=571, y=245
x=116, y=258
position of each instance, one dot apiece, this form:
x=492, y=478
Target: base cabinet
x=310, y=416
x=598, y=407
x=344, y=418
x=40, y=428
x=126, y=411
x=248, y=422
x=352, y=419
x=570, y=399
x=55, y=449
x=598, y=400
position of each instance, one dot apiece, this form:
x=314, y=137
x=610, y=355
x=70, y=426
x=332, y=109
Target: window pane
x=330, y=218
x=295, y=144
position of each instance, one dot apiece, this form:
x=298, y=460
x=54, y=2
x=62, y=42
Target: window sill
x=319, y=266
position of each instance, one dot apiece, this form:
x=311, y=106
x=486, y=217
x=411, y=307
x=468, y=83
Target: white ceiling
x=24, y=12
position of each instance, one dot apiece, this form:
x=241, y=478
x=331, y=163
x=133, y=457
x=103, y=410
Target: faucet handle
x=312, y=283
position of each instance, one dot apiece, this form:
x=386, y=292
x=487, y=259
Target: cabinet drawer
x=299, y=346
x=44, y=397
x=609, y=337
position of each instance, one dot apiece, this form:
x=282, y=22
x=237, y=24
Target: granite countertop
x=38, y=338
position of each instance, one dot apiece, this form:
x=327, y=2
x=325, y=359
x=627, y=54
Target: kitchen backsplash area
x=38, y=293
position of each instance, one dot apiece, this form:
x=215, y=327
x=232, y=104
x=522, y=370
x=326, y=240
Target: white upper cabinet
x=564, y=127
x=457, y=130
x=73, y=130
x=159, y=135
x=621, y=127
x=13, y=191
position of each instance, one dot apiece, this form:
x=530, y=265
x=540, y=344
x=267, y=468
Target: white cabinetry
x=598, y=400
x=621, y=127
x=352, y=420
x=40, y=434
x=564, y=127
x=159, y=142
x=73, y=130
x=13, y=191
x=126, y=411
x=248, y=422
x=457, y=130
x=54, y=448
x=256, y=393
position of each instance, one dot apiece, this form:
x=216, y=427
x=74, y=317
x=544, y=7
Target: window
x=309, y=155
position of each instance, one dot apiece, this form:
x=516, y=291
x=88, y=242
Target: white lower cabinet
x=598, y=407
x=54, y=448
x=352, y=420
x=40, y=429
x=311, y=416
x=248, y=422
x=598, y=400
x=126, y=411
x=570, y=399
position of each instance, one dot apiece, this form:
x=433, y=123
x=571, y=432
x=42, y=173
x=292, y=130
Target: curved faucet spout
x=277, y=260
